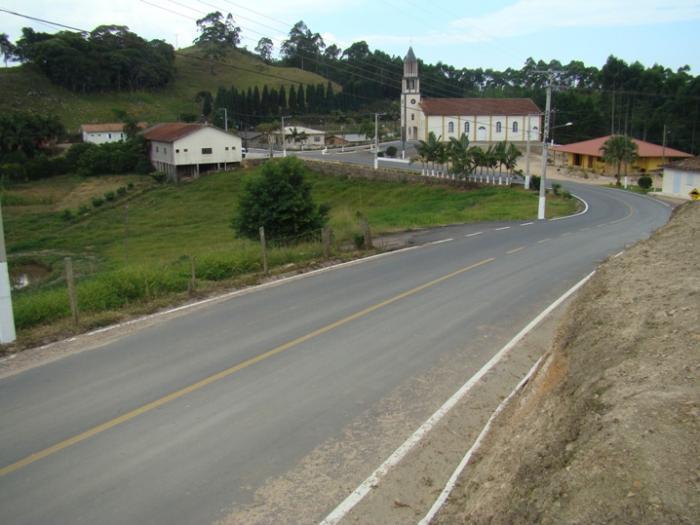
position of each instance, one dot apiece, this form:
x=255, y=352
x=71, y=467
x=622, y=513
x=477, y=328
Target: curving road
x=179, y=421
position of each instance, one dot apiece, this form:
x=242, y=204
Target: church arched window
x=466, y=127
x=515, y=127
x=498, y=127
x=451, y=127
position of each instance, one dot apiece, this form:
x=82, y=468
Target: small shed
x=682, y=178
x=105, y=132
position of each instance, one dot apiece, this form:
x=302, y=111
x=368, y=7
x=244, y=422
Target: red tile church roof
x=479, y=106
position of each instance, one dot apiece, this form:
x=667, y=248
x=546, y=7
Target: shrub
x=82, y=210
x=566, y=195
x=644, y=182
x=556, y=188
x=121, y=191
x=159, y=177
x=97, y=202
x=358, y=240
x=391, y=151
x=535, y=182
x=110, y=196
x=130, y=186
x=75, y=152
x=67, y=215
x=12, y=172
x=280, y=200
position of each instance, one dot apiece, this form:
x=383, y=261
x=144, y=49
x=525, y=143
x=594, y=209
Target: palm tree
x=499, y=153
x=430, y=149
x=442, y=155
x=618, y=149
x=460, y=155
x=511, y=157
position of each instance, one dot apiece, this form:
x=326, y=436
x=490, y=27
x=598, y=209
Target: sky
x=494, y=34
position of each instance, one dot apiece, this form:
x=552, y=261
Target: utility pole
x=225, y=119
x=663, y=154
x=404, y=127
x=376, y=139
x=527, y=155
x=284, y=145
x=7, y=320
x=543, y=178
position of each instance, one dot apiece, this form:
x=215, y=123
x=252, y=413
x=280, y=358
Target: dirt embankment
x=608, y=431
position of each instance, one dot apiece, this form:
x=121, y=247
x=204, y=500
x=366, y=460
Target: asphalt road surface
x=181, y=420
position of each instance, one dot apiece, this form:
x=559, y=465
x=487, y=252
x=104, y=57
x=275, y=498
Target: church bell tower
x=411, y=112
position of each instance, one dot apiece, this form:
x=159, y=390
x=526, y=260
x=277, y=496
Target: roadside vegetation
x=135, y=251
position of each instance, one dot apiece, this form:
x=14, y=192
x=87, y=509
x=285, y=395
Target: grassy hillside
x=24, y=87
x=138, y=258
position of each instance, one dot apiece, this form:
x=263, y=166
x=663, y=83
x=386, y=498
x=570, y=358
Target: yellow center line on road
x=226, y=373
x=515, y=250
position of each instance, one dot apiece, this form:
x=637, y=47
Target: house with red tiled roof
x=182, y=149
x=105, y=132
x=484, y=120
x=588, y=155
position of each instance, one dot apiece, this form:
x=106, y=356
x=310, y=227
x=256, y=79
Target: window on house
x=185, y=150
x=498, y=127
x=177, y=151
x=451, y=127
x=157, y=149
x=413, y=116
x=515, y=127
x=226, y=148
x=466, y=127
x=206, y=151
x=109, y=135
x=317, y=139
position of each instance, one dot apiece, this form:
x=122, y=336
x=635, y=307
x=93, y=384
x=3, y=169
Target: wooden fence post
x=367, y=234
x=72, y=297
x=263, y=245
x=326, y=239
x=192, y=285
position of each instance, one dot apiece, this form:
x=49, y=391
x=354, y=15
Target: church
x=482, y=120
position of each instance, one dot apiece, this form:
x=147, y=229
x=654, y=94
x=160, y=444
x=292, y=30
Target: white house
x=682, y=178
x=485, y=120
x=105, y=132
x=182, y=149
x=313, y=138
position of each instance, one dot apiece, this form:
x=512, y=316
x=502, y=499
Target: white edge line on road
x=433, y=243
x=502, y=228
x=449, y=487
x=618, y=254
x=473, y=234
x=527, y=223
x=229, y=295
x=484, y=432
x=361, y=491
x=585, y=210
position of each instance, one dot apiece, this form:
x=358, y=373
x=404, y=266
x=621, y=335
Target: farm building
x=181, y=149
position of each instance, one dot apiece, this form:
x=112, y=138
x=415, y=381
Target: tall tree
x=264, y=48
x=302, y=45
x=6, y=48
x=216, y=35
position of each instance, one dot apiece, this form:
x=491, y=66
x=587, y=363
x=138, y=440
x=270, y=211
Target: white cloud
x=526, y=17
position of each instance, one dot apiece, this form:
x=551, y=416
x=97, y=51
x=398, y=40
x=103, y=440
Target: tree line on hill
x=108, y=58
x=618, y=98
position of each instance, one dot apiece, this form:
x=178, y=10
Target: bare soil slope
x=608, y=431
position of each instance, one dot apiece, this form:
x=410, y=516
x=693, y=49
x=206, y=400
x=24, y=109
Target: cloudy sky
x=496, y=34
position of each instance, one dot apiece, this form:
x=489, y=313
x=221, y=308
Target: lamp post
x=284, y=145
x=543, y=179
x=376, y=139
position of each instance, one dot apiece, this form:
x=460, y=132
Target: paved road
x=176, y=422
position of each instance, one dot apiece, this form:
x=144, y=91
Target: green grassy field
x=135, y=255
x=25, y=88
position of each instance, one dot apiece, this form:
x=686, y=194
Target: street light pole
x=284, y=145
x=527, y=155
x=7, y=320
x=376, y=139
x=543, y=178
